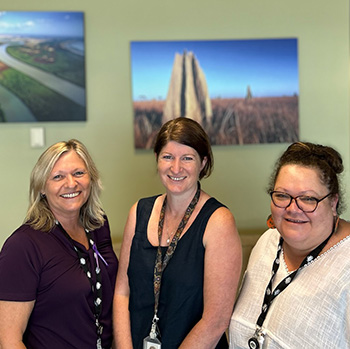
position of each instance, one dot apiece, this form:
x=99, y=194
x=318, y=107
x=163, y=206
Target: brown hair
x=326, y=160
x=39, y=215
x=188, y=132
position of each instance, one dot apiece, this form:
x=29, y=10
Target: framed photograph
x=240, y=91
x=42, y=66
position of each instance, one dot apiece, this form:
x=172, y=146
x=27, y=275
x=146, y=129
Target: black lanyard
x=270, y=294
x=257, y=340
x=96, y=288
x=160, y=264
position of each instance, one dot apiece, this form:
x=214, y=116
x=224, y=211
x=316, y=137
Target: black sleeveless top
x=181, y=295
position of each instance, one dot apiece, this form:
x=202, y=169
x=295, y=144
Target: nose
x=70, y=181
x=176, y=166
x=293, y=205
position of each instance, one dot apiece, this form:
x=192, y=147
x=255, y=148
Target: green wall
x=241, y=172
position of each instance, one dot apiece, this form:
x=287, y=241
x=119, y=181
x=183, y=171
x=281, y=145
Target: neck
x=68, y=220
x=293, y=257
x=174, y=211
x=76, y=231
x=177, y=204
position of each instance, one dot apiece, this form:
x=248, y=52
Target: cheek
x=273, y=209
x=276, y=214
x=50, y=189
x=159, y=166
x=88, y=186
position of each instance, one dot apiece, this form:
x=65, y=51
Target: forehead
x=175, y=148
x=67, y=160
x=299, y=178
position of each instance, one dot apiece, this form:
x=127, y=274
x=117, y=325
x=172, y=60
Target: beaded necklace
x=96, y=288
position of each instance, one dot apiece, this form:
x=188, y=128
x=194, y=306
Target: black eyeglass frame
x=296, y=201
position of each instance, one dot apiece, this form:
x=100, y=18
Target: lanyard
x=270, y=294
x=160, y=264
x=257, y=340
x=96, y=288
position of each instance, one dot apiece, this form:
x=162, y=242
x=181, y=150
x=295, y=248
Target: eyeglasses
x=305, y=203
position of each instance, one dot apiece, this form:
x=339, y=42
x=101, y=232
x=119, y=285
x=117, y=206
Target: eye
x=307, y=199
x=57, y=177
x=166, y=157
x=79, y=173
x=281, y=196
x=188, y=158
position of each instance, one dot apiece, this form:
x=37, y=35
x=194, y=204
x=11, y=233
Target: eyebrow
x=302, y=193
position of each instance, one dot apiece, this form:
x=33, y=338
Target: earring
x=270, y=223
x=42, y=196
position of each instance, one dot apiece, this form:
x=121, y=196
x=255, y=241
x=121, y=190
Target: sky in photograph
x=69, y=24
x=268, y=66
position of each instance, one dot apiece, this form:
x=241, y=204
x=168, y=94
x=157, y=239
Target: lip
x=70, y=195
x=295, y=221
x=177, y=178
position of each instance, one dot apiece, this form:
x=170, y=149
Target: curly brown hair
x=326, y=160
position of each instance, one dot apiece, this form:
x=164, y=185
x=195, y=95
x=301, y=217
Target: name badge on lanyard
x=152, y=341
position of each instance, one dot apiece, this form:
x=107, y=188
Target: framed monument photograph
x=240, y=91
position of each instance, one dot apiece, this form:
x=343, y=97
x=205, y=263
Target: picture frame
x=240, y=91
x=42, y=67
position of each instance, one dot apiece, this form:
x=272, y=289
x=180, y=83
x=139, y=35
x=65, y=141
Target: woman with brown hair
x=295, y=291
x=181, y=254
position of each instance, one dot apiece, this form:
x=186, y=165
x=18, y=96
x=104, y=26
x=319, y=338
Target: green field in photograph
x=52, y=58
x=44, y=103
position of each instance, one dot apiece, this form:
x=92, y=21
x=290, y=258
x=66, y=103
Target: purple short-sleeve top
x=44, y=267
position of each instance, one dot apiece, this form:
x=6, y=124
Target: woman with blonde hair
x=58, y=269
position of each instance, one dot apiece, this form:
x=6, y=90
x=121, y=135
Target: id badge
x=257, y=341
x=254, y=343
x=151, y=343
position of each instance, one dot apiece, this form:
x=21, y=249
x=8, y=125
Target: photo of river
x=42, y=66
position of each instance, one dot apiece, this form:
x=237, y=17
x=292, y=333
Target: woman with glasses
x=295, y=291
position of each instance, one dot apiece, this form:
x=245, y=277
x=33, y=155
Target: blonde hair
x=39, y=216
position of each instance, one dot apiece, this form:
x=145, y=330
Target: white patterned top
x=312, y=312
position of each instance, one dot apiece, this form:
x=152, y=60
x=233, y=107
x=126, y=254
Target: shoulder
x=217, y=211
x=208, y=205
x=143, y=207
x=25, y=245
x=221, y=222
x=24, y=236
x=269, y=237
x=103, y=232
x=267, y=245
x=146, y=202
x=138, y=211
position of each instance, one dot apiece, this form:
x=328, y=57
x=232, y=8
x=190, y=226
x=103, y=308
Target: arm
x=13, y=322
x=121, y=316
x=222, y=268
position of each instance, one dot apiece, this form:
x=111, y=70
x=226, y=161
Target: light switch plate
x=37, y=137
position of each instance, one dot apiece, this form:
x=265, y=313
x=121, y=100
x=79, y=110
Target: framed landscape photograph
x=42, y=66
x=240, y=91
